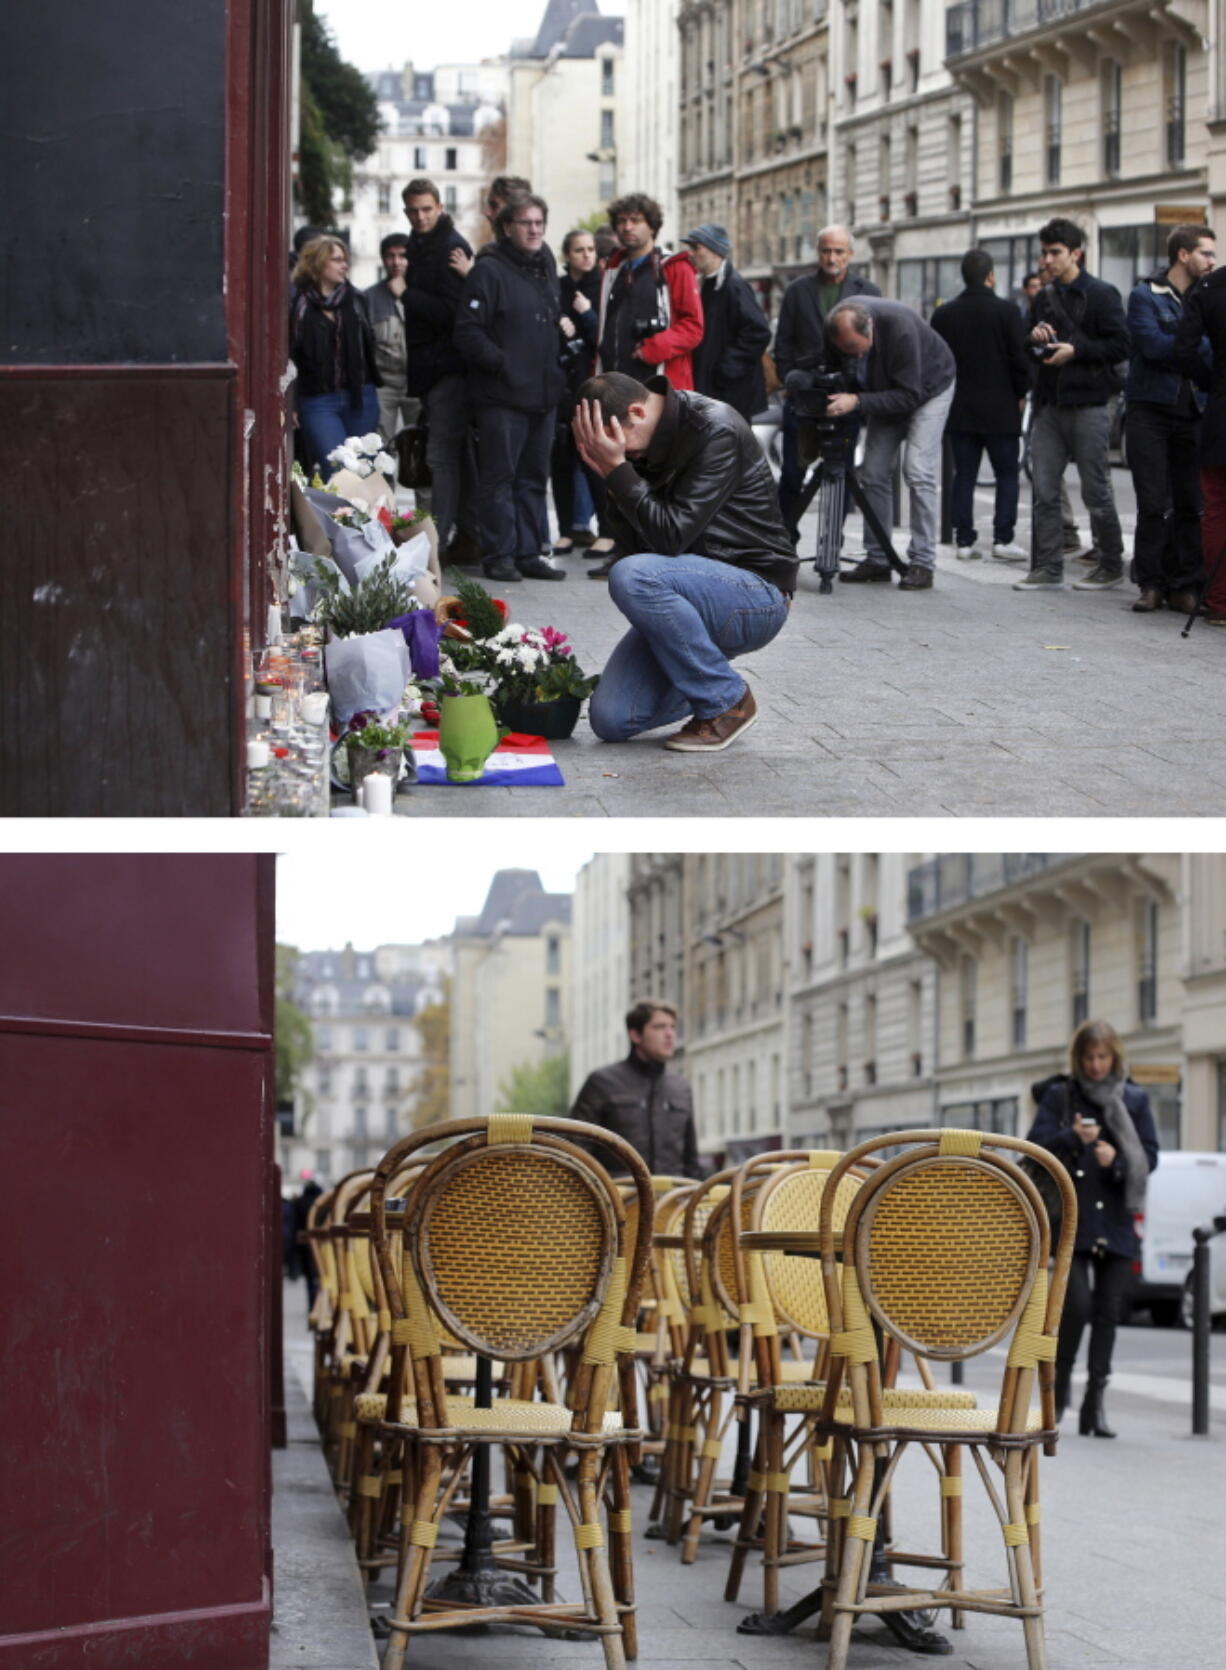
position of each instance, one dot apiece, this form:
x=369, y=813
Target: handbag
x=412, y=470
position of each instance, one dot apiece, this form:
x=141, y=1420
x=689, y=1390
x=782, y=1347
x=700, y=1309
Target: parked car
x=1187, y=1190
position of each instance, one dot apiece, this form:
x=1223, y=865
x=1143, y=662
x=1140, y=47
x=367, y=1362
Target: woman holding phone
x=1102, y=1126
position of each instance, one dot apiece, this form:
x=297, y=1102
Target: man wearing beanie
x=728, y=360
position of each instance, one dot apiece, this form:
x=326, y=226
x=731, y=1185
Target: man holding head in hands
x=710, y=571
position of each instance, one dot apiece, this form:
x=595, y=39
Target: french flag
x=519, y=761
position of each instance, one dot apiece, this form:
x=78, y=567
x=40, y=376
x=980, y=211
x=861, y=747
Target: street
x=969, y=700
x=1133, y=1550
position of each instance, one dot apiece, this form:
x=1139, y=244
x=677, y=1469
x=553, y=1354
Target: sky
x=374, y=34
x=415, y=888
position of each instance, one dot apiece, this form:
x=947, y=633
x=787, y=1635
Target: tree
x=292, y=1031
x=541, y=1088
x=430, y=1093
x=339, y=119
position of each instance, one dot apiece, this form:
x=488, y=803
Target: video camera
x=820, y=435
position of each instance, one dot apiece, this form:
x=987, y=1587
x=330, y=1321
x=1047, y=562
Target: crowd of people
x=624, y=377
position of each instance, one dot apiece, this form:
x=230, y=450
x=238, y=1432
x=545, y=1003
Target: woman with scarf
x=1102, y=1126
x=332, y=346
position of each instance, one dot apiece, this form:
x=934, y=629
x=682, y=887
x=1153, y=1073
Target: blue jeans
x=688, y=615
x=1002, y=450
x=328, y=419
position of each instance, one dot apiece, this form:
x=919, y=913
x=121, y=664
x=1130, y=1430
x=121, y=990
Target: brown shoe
x=1182, y=602
x=1148, y=601
x=708, y=736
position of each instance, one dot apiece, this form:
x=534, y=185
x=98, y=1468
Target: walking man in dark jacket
x=712, y=570
x=1204, y=318
x=902, y=381
x=987, y=339
x=800, y=344
x=1080, y=321
x=1164, y=409
x=508, y=330
x=438, y=260
x=640, y=1100
x=735, y=334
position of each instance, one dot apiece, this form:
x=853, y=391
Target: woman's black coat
x=1103, y=1220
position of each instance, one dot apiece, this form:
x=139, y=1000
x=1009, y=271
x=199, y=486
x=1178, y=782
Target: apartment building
x=649, y=109
x=600, y=960
x=1204, y=1000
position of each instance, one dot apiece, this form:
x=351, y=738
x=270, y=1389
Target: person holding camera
x=508, y=330
x=1079, y=336
x=1101, y=1126
x=650, y=315
x=900, y=378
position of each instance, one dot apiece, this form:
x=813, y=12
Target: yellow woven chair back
x=793, y=1200
x=720, y=1229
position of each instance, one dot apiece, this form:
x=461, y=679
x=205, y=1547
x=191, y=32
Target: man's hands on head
x=600, y=449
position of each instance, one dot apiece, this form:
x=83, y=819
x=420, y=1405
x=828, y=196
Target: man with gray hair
x=901, y=377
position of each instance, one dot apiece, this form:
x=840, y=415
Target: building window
x=451, y=201
x=1004, y=141
x=1221, y=1105
x=360, y=1087
x=606, y=130
x=1147, y=964
x=553, y=955
x=923, y=283
x=359, y=1123
x=1020, y=971
x=1113, y=88
x=1080, y=972
x=391, y=1039
x=849, y=177
x=1053, y=121
x=449, y=160
x=998, y=1114
x=385, y=197
x=323, y=1039
x=419, y=157
x=953, y=147
x=360, y=1041
x=968, y=995
x=606, y=78
x=1176, y=103
x=553, y=1007
x=323, y=1078
x=606, y=181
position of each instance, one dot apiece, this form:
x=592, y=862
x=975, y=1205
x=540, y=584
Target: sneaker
x=1010, y=552
x=708, y=736
x=1039, y=580
x=536, y=568
x=967, y=553
x=1100, y=579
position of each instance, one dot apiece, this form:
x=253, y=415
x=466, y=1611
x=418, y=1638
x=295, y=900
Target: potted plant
x=366, y=660
x=541, y=687
x=371, y=745
x=468, y=732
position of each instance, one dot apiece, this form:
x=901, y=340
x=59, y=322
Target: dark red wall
x=135, y=1055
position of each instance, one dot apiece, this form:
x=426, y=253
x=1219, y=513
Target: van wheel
x=1187, y=1305
x=1167, y=1313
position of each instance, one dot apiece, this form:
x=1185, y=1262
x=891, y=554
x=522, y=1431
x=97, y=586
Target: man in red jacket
x=650, y=313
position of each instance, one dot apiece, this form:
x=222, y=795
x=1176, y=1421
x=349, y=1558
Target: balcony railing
x=973, y=24
x=957, y=877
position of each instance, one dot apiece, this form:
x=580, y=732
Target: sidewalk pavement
x=970, y=700
x=1134, y=1547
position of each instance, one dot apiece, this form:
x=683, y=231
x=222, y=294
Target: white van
x=1187, y=1190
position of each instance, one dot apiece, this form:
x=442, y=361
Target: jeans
x=1162, y=455
x=1002, y=450
x=515, y=448
x=923, y=432
x=1097, y=1288
x=449, y=455
x=1079, y=433
x=569, y=475
x=328, y=419
x=688, y=616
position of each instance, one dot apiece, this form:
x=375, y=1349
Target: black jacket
x=313, y=348
x=800, y=338
x=704, y=487
x=987, y=338
x=728, y=360
x=431, y=296
x=1103, y=1220
x=1204, y=315
x=1089, y=314
x=647, y=1106
x=907, y=366
x=579, y=360
x=507, y=330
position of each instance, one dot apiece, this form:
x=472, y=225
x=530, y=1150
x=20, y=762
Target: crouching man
x=710, y=571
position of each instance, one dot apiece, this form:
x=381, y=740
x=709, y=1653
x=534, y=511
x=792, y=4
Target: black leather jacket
x=702, y=488
x=647, y=1106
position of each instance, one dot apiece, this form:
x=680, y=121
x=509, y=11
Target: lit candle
x=257, y=754
x=377, y=794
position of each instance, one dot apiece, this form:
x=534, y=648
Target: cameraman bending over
x=903, y=377
x=1079, y=336
x=712, y=570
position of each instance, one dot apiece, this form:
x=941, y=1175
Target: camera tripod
x=833, y=475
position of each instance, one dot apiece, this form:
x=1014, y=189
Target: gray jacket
x=387, y=320
x=907, y=365
x=647, y=1106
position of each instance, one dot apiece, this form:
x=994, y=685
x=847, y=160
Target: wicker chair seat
x=701, y=1370
x=953, y=1426
x=372, y=1406
x=516, y=1417
x=795, y=1399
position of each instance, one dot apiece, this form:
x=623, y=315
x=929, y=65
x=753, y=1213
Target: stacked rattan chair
x=944, y=1252
x=515, y=1239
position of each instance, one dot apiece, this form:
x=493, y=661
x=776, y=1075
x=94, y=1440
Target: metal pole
x=1201, y=1323
x=955, y=1373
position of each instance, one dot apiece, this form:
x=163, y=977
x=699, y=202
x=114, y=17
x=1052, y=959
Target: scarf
x=1108, y=1094
x=348, y=369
